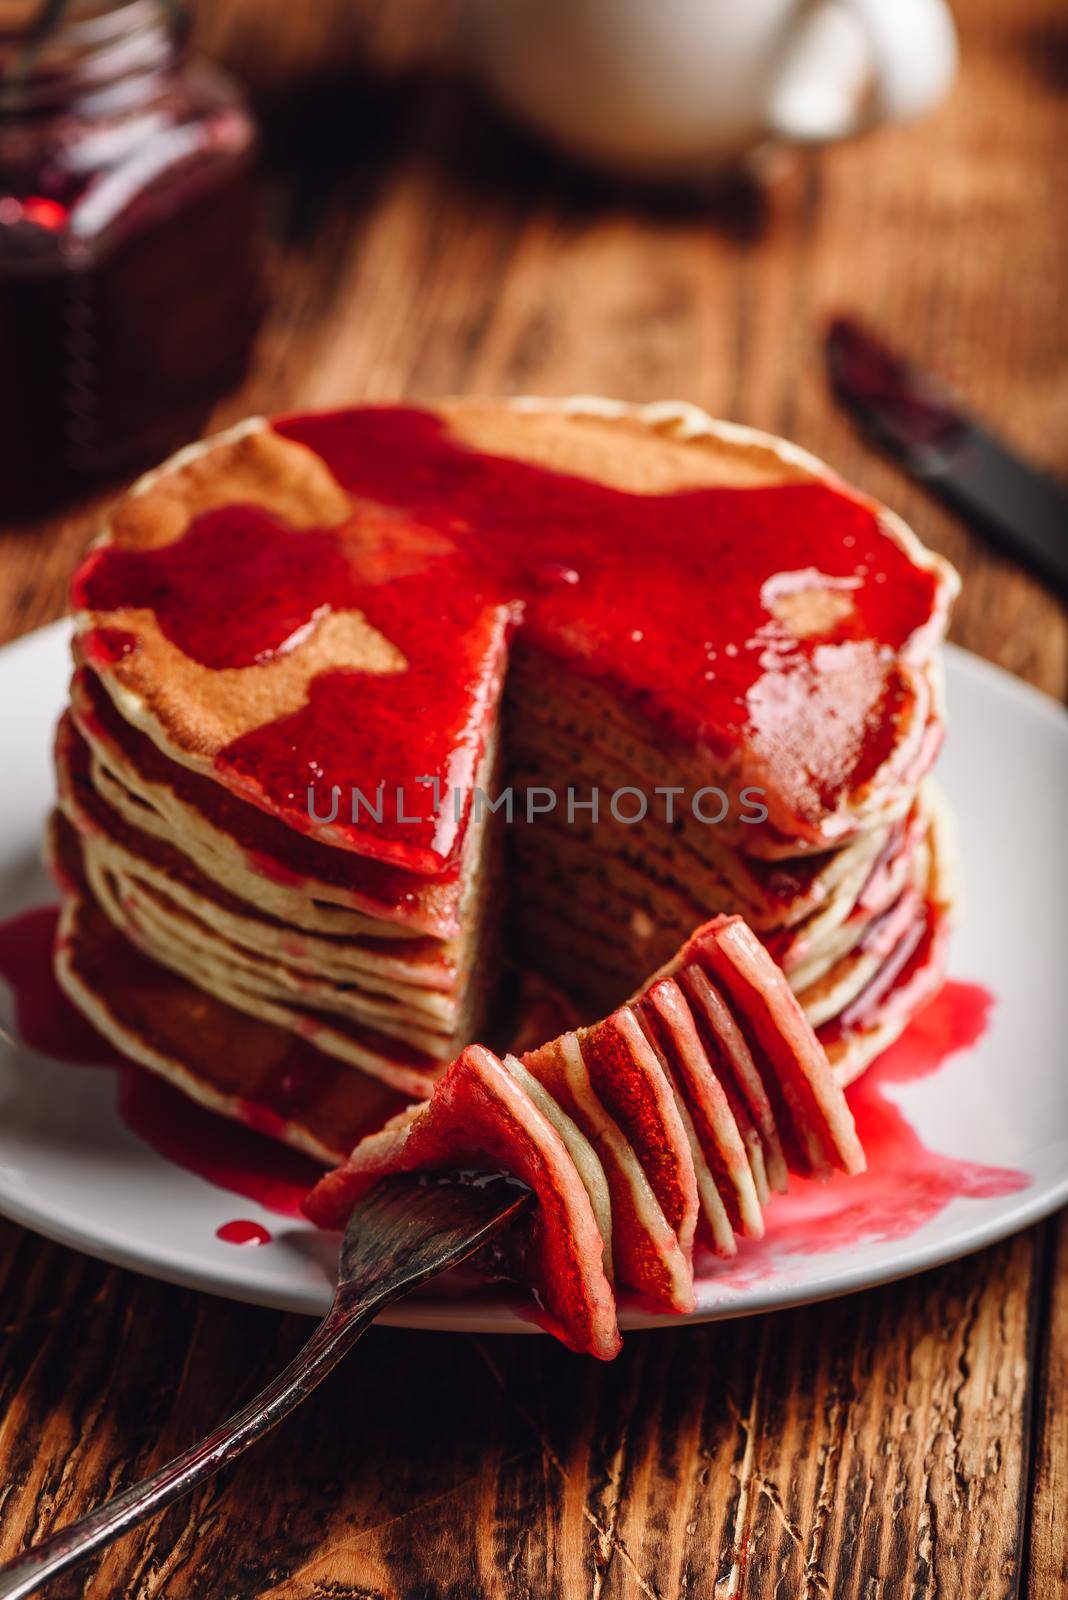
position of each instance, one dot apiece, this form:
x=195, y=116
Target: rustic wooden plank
x=955, y=242
x=876, y=1441
x=876, y=1447
x=1047, y=1542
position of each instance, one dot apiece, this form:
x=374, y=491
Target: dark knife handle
x=1023, y=509
x=918, y=422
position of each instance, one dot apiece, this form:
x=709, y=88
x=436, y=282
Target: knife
x=920, y=423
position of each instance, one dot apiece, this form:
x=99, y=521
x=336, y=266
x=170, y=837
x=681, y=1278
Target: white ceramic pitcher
x=678, y=88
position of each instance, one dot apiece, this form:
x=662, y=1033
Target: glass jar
x=130, y=244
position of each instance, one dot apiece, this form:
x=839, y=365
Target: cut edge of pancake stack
x=845, y=924
x=372, y=970
x=209, y=893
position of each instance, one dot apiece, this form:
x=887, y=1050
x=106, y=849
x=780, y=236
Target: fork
x=406, y=1230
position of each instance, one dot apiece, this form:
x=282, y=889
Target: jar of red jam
x=130, y=241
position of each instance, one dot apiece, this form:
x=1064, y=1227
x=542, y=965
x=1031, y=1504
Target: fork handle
x=339, y=1330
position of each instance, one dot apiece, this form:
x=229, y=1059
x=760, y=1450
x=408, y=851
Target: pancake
x=809, y=683
x=911, y=973
x=619, y=1130
x=151, y=859
x=261, y=1076
x=387, y=1008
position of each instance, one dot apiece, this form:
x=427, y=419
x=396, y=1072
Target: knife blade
x=919, y=422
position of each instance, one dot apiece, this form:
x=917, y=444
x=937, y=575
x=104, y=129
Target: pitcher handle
x=852, y=64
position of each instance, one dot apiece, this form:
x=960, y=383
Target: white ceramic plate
x=71, y=1169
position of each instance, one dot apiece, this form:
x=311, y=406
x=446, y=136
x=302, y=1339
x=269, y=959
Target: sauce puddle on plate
x=224, y=1153
x=44, y=1017
x=906, y=1183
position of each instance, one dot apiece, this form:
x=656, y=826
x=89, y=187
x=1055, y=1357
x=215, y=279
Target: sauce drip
x=243, y=1232
x=447, y=547
x=44, y=1016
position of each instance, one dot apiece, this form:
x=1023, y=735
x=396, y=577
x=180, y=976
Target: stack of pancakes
x=387, y=977
x=454, y=607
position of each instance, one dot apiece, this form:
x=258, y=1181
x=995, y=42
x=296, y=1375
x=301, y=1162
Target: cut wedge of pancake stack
x=663, y=1127
x=346, y=687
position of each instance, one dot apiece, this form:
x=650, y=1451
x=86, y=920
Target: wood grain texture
x=909, y=1442
x=1047, y=1530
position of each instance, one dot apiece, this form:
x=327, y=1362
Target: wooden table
x=905, y=1442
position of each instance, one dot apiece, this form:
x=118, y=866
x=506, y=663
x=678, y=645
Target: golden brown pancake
x=259, y=1075
x=838, y=702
